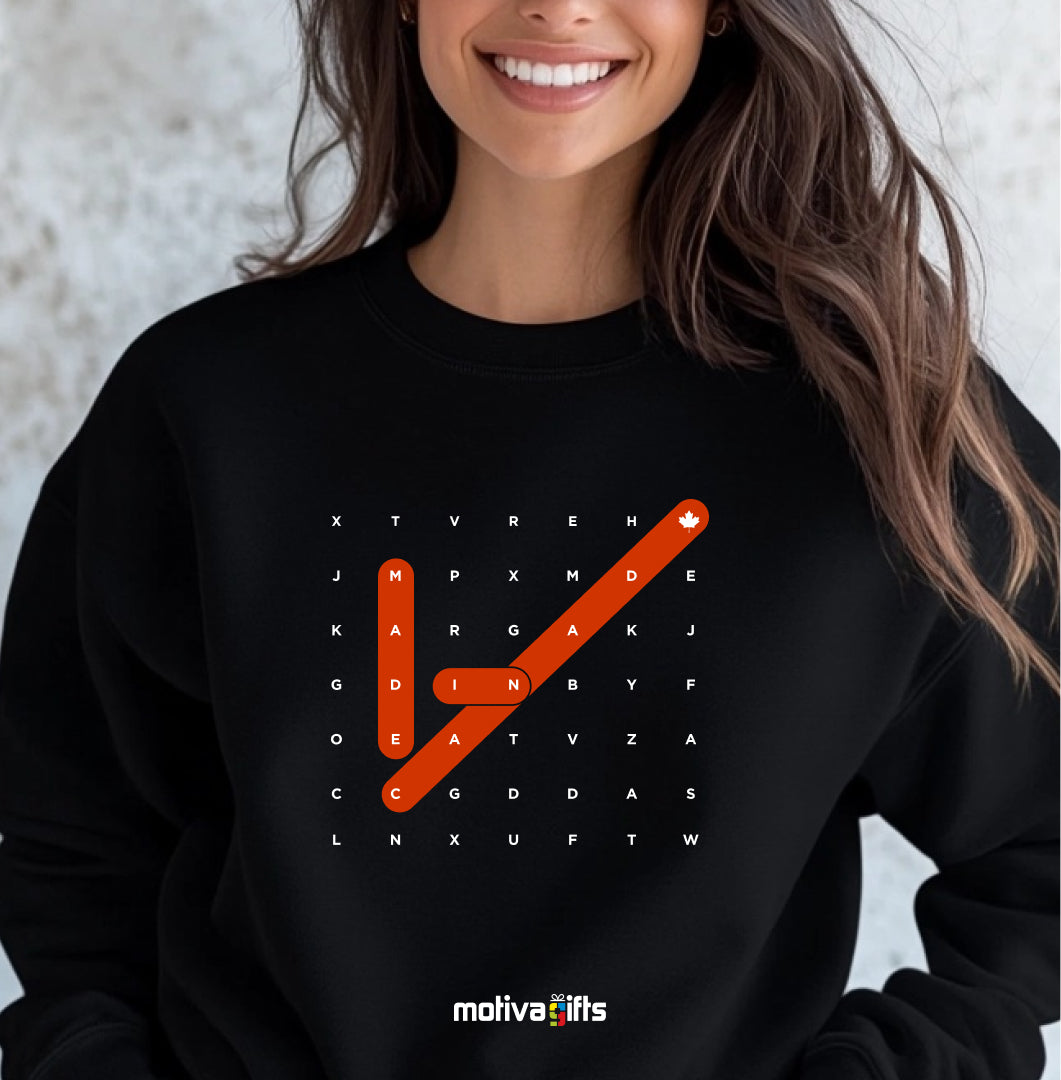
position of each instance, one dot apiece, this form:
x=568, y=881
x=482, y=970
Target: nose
x=558, y=15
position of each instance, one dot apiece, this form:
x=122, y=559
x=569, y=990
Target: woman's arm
x=968, y=772
x=86, y=685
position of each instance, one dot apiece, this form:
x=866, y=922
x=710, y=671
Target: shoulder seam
x=50, y=496
x=943, y=664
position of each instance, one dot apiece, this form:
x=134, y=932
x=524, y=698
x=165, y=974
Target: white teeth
x=540, y=74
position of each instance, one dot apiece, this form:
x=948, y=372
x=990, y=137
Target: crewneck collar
x=414, y=313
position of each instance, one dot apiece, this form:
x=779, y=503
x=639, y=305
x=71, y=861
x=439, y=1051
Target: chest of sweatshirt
x=730, y=696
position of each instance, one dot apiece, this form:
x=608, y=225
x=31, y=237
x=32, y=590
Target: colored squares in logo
x=557, y=1013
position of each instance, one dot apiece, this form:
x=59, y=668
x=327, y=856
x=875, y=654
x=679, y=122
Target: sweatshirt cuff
x=838, y=1062
x=84, y=1035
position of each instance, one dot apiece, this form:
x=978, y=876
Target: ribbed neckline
x=414, y=313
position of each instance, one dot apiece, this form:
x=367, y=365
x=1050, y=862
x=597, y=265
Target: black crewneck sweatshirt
x=387, y=692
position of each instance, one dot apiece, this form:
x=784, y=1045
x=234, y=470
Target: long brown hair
x=780, y=191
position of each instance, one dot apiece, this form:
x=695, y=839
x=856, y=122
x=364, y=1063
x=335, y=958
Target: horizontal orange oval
x=481, y=685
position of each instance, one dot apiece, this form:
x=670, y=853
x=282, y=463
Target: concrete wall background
x=135, y=139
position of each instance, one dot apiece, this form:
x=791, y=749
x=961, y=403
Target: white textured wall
x=135, y=137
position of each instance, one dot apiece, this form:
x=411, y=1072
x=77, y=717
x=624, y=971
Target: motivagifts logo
x=559, y=1011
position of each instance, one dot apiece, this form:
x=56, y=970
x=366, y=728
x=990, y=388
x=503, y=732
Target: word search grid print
x=450, y=668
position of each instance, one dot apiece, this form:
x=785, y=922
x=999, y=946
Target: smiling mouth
x=615, y=66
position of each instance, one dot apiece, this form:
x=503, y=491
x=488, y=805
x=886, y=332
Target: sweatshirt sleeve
x=88, y=682
x=967, y=771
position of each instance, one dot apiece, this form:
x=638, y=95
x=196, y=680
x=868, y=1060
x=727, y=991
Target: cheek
x=680, y=66
x=663, y=83
x=671, y=33
x=445, y=28
x=447, y=80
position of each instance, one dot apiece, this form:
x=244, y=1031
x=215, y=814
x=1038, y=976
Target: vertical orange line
x=395, y=667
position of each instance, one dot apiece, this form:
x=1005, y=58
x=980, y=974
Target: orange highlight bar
x=394, y=637
x=481, y=685
x=557, y=643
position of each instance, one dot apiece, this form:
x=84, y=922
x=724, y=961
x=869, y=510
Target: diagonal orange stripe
x=557, y=643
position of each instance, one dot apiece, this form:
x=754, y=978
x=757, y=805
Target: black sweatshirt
x=385, y=688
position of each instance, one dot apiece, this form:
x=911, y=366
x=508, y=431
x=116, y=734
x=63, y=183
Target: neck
x=521, y=249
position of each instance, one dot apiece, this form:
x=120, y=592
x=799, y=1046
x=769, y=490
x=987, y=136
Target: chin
x=543, y=162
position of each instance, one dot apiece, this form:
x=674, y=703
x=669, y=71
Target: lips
x=553, y=99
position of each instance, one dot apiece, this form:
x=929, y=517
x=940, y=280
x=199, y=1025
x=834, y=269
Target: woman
x=502, y=624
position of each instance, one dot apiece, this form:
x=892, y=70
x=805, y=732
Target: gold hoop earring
x=723, y=26
x=404, y=14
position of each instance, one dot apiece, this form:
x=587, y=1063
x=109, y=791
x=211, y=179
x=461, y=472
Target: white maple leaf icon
x=689, y=520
